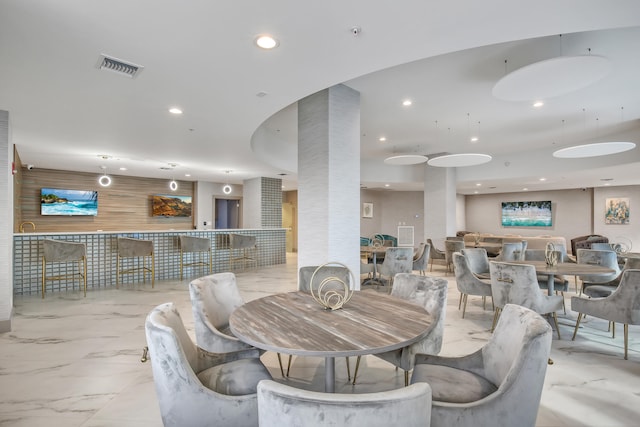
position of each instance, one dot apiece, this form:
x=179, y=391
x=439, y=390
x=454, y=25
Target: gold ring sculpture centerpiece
x=550, y=255
x=332, y=292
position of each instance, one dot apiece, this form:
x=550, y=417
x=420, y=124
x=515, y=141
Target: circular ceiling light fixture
x=227, y=188
x=175, y=110
x=265, y=41
x=593, y=150
x=104, y=180
x=406, y=159
x=551, y=77
x=459, y=160
x=173, y=185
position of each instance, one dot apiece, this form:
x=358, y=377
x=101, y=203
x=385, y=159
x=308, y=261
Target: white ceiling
x=67, y=114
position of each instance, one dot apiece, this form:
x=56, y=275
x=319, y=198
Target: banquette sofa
x=538, y=242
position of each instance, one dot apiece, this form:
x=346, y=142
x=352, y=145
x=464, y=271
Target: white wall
x=573, y=213
x=390, y=208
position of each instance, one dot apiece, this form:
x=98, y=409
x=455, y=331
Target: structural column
x=329, y=178
x=6, y=227
x=439, y=203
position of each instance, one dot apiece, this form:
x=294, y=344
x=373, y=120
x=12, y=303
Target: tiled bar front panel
x=102, y=250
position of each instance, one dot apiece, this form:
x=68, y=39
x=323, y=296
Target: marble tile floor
x=73, y=361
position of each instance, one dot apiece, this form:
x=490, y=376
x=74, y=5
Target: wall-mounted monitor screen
x=55, y=201
x=171, y=206
x=526, y=214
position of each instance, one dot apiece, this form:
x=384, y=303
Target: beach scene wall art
x=527, y=214
x=56, y=201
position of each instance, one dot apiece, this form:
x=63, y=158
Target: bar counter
x=102, y=250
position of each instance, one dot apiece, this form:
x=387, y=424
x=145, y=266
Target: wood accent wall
x=123, y=206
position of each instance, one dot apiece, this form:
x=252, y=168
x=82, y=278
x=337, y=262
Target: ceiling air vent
x=119, y=66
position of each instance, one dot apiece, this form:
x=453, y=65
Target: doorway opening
x=228, y=213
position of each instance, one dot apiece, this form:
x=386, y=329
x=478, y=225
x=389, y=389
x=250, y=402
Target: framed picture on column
x=367, y=210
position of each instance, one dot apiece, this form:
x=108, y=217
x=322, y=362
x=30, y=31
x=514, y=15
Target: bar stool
x=55, y=251
x=135, y=248
x=242, y=250
x=195, y=245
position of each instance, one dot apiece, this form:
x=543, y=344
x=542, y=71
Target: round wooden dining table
x=294, y=323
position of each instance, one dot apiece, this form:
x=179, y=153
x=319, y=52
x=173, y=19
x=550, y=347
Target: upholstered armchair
x=421, y=258
x=560, y=284
x=512, y=251
x=213, y=299
x=283, y=405
x=435, y=254
x=430, y=293
x=605, y=289
x=478, y=260
x=498, y=385
x=518, y=284
x=607, y=259
x=195, y=387
x=451, y=246
x=396, y=260
x=584, y=242
x=622, y=306
x=468, y=283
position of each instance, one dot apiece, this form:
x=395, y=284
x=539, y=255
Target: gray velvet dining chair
x=428, y=292
x=606, y=258
x=468, y=283
x=478, y=260
x=512, y=251
x=283, y=405
x=435, y=254
x=621, y=306
x=605, y=289
x=396, y=260
x=213, y=299
x=518, y=284
x=500, y=384
x=451, y=246
x=195, y=387
x=421, y=258
x=560, y=283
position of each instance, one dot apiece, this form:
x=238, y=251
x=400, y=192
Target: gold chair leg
x=496, y=315
x=289, y=365
x=484, y=303
x=460, y=300
x=348, y=370
x=575, y=331
x=145, y=354
x=84, y=275
x=464, y=306
x=355, y=373
x=613, y=329
x=117, y=271
x=555, y=320
x=280, y=363
x=626, y=341
x=44, y=266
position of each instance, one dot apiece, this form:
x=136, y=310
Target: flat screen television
x=56, y=201
x=527, y=214
x=171, y=206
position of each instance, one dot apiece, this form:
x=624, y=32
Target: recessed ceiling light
x=382, y=139
x=387, y=185
x=187, y=174
x=474, y=139
x=175, y=110
x=407, y=102
x=525, y=189
x=476, y=192
x=543, y=179
x=265, y=41
x=538, y=104
x=479, y=184
x=123, y=168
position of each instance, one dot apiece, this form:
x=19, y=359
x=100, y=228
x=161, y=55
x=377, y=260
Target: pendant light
x=227, y=188
x=104, y=179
